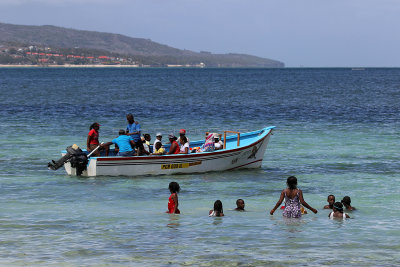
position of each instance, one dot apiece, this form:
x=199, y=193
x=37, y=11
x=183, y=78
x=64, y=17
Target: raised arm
x=305, y=204
x=278, y=203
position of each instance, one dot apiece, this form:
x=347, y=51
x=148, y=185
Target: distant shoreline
x=122, y=66
x=70, y=66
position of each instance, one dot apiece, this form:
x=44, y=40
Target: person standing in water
x=218, y=210
x=337, y=212
x=239, y=205
x=293, y=197
x=331, y=201
x=173, y=203
x=346, y=201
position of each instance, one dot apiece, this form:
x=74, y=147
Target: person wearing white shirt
x=158, y=139
x=218, y=143
x=184, y=145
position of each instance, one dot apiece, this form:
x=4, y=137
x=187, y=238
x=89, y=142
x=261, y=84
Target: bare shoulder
x=299, y=191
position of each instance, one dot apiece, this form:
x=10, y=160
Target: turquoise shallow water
x=337, y=131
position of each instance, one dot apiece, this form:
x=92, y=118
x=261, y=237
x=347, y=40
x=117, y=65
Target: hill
x=143, y=50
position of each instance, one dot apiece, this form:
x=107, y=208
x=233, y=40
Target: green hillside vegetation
x=141, y=51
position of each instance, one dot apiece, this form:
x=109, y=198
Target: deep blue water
x=337, y=131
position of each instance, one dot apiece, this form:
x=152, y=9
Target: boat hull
x=247, y=156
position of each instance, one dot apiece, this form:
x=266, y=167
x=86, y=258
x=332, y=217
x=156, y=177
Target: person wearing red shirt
x=93, y=139
x=174, y=148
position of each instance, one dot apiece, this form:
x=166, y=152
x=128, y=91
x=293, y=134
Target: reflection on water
x=217, y=220
x=173, y=221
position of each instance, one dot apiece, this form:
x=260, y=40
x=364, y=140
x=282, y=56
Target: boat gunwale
x=194, y=155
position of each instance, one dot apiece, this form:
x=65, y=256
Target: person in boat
x=147, y=139
x=337, y=212
x=293, y=197
x=174, y=148
x=158, y=139
x=182, y=132
x=184, y=145
x=158, y=150
x=93, y=139
x=209, y=145
x=218, y=210
x=346, y=201
x=240, y=205
x=133, y=128
x=217, y=142
x=124, y=144
x=173, y=203
x=145, y=144
x=331, y=201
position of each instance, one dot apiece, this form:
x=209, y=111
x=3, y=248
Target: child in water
x=337, y=212
x=331, y=201
x=239, y=205
x=293, y=197
x=173, y=198
x=346, y=201
x=218, y=211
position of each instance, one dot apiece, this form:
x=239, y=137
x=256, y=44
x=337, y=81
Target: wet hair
x=218, y=207
x=338, y=206
x=346, y=200
x=237, y=201
x=183, y=138
x=291, y=182
x=331, y=196
x=93, y=125
x=174, y=187
x=121, y=132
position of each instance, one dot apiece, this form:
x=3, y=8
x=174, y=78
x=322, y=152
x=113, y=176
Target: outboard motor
x=76, y=156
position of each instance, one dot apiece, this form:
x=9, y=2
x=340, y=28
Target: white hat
x=158, y=134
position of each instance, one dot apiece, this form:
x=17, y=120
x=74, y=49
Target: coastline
x=68, y=66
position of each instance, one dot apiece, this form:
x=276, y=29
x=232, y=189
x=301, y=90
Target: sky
x=300, y=33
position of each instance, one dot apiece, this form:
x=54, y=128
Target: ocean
x=337, y=131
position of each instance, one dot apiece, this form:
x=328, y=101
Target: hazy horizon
x=310, y=33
